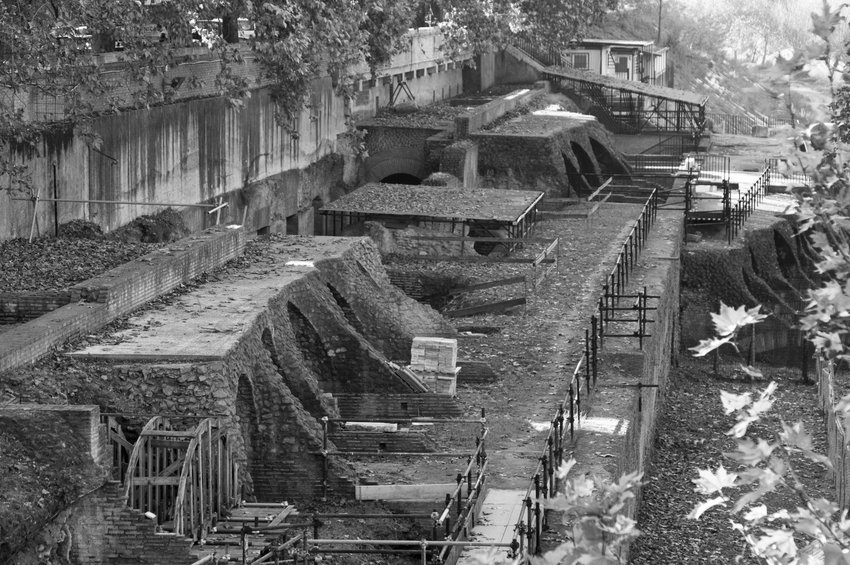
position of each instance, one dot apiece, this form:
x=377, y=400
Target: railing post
x=459, y=480
x=587, y=357
x=529, y=529
x=572, y=415
x=324, y=457
x=594, y=347
x=578, y=400
x=537, y=528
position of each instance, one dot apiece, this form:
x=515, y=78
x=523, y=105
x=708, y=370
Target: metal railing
x=793, y=178
x=545, y=481
x=711, y=166
x=613, y=291
x=743, y=124
x=837, y=449
x=746, y=205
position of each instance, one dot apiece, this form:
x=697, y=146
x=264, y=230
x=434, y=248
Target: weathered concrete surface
x=206, y=325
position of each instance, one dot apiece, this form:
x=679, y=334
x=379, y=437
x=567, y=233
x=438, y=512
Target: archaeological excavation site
x=226, y=341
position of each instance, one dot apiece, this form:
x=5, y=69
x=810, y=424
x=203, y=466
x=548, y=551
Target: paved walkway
x=499, y=514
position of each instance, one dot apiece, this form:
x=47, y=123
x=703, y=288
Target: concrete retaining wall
x=201, y=147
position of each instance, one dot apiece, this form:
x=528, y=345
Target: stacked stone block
x=434, y=360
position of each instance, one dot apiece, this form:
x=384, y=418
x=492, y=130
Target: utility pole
x=660, y=6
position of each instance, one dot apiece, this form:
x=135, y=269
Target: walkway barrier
x=782, y=174
x=545, y=481
x=746, y=205
x=838, y=450
x=613, y=291
x=743, y=124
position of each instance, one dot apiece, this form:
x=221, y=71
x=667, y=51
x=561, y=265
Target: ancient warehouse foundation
x=267, y=348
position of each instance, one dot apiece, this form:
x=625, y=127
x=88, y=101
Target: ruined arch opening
x=268, y=343
x=586, y=165
x=577, y=182
x=786, y=258
x=608, y=163
x=346, y=308
x=401, y=178
x=247, y=414
x=310, y=344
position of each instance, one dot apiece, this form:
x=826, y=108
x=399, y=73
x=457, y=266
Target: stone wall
x=544, y=162
x=622, y=416
x=766, y=265
x=331, y=330
x=396, y=406
x=395, y=150
x=461, y=160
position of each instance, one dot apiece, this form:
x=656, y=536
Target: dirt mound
x=80, y=229
x=164, y=227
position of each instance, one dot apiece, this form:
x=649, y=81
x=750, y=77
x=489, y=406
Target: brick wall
x=105, y=531
x=99, y=300
x=24, y=306
x=391, y=442
x=396, y=406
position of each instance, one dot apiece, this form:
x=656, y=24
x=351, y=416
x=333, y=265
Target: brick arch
x=378, y=167
x=608, y=162
x=247, y=415
x=587, y=164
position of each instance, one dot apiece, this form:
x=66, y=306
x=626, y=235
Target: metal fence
x=545, y=481
x=743, y=124
x=746, y=205
x=837, y=449
x=780, y=174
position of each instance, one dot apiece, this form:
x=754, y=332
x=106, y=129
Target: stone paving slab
x=499, y=514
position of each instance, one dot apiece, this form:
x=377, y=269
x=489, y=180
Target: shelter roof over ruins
x=655, y=91
x=380, y=199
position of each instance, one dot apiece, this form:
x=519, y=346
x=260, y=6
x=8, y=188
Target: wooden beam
x=403, y=492
x=485, y=308
x=491, y=284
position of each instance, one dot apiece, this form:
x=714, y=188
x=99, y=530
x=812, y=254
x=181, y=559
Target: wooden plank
x=404, y=492
x=282, y=516
x=598, y=204
x=485, y=308
x=491, y=284
x=460, y=259
x=481, y=239
x=540, y=258
x=155, y=481
x=182, y=445
x=169, y=433
x=600, y=189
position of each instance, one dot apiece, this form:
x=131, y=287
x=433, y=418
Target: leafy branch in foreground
x=817, y=531
x=728, y=324
x=593, y=511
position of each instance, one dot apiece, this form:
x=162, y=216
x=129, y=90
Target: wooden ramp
x=499, y=514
